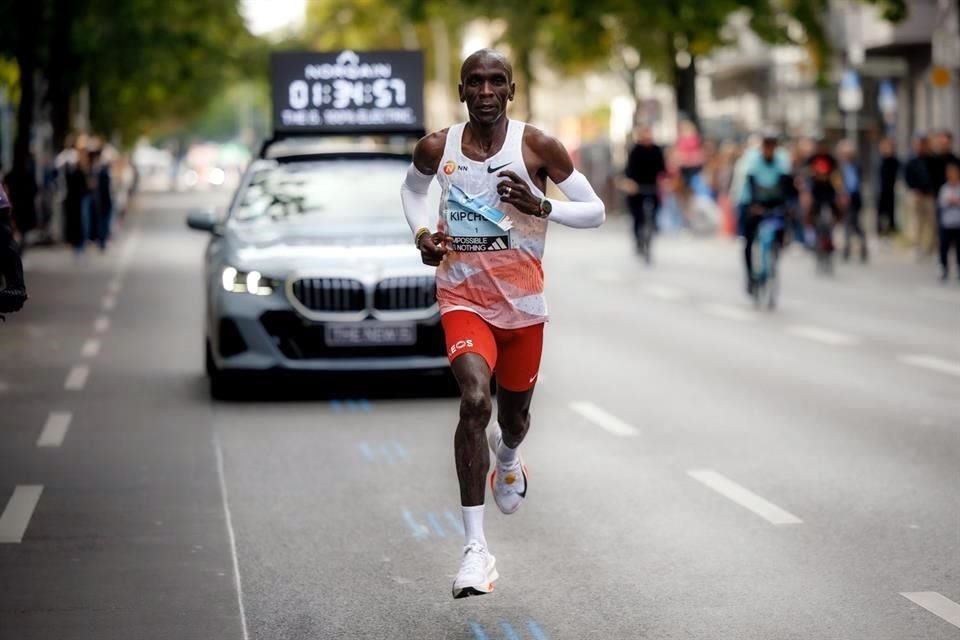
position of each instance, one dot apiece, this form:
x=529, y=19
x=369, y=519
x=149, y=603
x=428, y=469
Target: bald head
x=485, y=56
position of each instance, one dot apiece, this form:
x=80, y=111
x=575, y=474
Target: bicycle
x=766, y=280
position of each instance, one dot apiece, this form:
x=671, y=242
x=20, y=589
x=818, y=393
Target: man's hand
x=433, y=248
x=628, y=186
x=515, y=191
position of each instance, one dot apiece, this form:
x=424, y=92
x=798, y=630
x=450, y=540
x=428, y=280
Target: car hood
x=277, y=250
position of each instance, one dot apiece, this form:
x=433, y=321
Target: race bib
x=474, y=226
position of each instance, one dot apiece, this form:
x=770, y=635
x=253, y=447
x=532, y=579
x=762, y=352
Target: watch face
x=547, y=207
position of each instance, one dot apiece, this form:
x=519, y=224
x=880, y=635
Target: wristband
x=422, y=231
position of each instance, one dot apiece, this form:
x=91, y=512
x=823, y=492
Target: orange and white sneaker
x=508, y=481
x=478, y=571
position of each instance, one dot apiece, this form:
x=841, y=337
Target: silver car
x=313, y=269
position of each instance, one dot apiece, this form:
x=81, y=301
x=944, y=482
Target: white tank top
x=494, y=273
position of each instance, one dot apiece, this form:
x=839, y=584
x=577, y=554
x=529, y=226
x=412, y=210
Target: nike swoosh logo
x=494, y=169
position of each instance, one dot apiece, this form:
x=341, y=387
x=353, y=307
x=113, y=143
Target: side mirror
x=203, y=220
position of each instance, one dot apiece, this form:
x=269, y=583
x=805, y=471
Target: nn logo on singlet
x=450, y=167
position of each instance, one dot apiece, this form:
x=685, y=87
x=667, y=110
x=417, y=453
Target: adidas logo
x=498, y=244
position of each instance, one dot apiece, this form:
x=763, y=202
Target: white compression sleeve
x=585, y=209
x=413, y=196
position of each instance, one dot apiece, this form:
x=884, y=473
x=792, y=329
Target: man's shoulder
x=429, y=150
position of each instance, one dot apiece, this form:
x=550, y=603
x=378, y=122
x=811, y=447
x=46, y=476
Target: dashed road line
x=664, y=292
x=729, y=312
x=55, y=429
x=77, y=378
x=91, y=348
x=932, y=363
x=604, y=420
x=102, y=324
x=16, y=516
x=824, y=336
x=109, y=302
x=115, y=285
x=938, y=605
x=744, y=497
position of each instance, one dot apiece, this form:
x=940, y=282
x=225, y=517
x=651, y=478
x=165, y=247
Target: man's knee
x=476, y=406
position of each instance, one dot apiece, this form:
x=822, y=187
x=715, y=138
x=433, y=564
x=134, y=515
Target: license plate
x=370, y=334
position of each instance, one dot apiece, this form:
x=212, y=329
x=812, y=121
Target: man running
x=487, y=248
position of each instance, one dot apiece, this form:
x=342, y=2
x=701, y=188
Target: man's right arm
x=413, y=196
x=413, y=191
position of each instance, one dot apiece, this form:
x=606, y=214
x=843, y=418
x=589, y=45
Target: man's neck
x=487, y=138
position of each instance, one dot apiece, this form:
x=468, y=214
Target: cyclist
x=767, y=187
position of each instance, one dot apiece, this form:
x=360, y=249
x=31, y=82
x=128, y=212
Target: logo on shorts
x=462, y=344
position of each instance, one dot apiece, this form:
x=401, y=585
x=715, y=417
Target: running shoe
x=478, y=570
x=507, y=481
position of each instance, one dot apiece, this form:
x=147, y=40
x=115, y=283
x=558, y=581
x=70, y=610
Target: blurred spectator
x=889, y=170
x=77, y=202
x=852, y=178
x=916, y=174
x=941, y=156
x=101, y=208
x=13, y=293
x=645, y=165
x=948, y=199
x=688, y=151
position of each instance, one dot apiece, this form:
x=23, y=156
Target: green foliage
x=149, y=64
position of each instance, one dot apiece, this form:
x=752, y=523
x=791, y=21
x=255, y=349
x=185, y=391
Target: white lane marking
x=608, y=275
x=932, y=363
x=664, y=292
x=604, y=420
x=77, y=378
x=102, y=324
x=938, y=605
x=109, y=302
x=55, y=429
x=824, y=336
x=16, y=516
x=115, y=285
x=233, y=538
x=91, y=348
x=744, y=497
x=729, y=312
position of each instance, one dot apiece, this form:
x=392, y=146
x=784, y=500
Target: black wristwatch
x=546, y=208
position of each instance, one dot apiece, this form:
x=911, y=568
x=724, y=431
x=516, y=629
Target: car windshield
x=324, y=192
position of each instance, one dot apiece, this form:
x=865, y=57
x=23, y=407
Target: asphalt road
x=699, y=470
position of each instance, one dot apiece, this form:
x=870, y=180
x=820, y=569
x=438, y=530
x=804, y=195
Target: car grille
x=405, y=294
x=330, y=295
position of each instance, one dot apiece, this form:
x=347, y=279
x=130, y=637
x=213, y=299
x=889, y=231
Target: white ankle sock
x=473, y=524
x=506, y=455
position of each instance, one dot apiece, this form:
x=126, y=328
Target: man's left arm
x=583, y=210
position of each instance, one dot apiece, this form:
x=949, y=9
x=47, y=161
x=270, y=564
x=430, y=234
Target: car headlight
x=251, y=282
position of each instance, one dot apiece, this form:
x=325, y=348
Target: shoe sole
x=478, y=590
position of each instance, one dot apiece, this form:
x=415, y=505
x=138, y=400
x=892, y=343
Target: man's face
x=768, y=148
x=486, y=89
